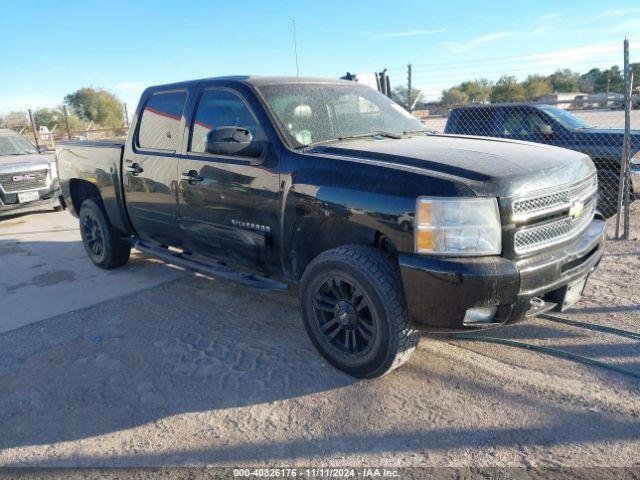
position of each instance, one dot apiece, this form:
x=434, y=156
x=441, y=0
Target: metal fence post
x=627, y=160
x=624, y=158
x=33, y=128
x=66, y=119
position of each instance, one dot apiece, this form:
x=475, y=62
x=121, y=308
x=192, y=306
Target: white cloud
x=8, y=104
x=549, y=16
x=413, y=33
x=567, y=56
x=626, y=26
x=462, y=47
x=619, y=12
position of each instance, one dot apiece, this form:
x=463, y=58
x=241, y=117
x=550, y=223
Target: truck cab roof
x=254, y=80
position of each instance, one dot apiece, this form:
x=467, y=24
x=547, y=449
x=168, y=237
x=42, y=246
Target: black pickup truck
x=330, y=185
x=555, y=126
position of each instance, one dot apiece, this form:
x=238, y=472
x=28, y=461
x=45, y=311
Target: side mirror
x=543, y=129
x=233, y=141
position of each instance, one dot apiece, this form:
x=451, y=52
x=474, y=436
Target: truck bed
x=99, y=163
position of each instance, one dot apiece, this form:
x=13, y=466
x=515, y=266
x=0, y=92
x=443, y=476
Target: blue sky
x=50, y=49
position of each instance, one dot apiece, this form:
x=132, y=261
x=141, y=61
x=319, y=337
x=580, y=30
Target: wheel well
x=310, y=239
x=81, y=190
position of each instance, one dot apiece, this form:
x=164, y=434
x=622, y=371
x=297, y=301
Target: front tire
x=354, y=311
x=101, y=241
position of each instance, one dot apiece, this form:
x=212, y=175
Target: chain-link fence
x=603, y=123
x=46, y=135
x=584, y=124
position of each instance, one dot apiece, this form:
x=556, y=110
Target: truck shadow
x=207, y=346
x=191, y=345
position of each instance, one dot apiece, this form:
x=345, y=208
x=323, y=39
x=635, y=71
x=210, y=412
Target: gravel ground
x=196, y=371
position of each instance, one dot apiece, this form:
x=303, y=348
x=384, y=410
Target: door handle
x=192, y=177
x=135, y=169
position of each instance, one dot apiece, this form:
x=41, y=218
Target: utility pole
x=33, y=127
x=66, y=119
x=126, y=114
x=409, y=103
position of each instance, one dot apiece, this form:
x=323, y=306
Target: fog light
x=479, y=315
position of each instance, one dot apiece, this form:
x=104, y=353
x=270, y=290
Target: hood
x=490, y=167
x=612, y=136
x=21, y=163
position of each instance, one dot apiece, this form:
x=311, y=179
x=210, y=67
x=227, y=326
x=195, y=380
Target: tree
x=535, y=86
x=454, y=97
x=14, y=120
x=635, y=69
x=399, y=95
x=96, y=105
x=507, y=89
x=50, y=117
x=589, y=80
x=478, y=91
x=615, y=79
x=565, y=80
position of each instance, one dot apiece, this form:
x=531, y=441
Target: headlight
x=457, y=226
x=54, y=169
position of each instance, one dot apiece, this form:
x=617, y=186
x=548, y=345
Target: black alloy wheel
x=103, y=243
x=93, y=235
x=344, y=316
x=354, y=310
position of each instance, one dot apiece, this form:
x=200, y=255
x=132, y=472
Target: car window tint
x=477, y=121
x=219, y=108
x=522, y=123
x=160, y=121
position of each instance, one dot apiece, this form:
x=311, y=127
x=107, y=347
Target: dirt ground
x=188, y=370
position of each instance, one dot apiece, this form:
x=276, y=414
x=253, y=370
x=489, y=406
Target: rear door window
x=522, y=123
x=160, y=121
x=477, y=121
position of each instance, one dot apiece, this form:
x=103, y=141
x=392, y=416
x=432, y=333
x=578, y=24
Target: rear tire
x=101, y=241
x=354, y=311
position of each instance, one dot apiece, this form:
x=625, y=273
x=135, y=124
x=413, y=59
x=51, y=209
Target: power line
x=506, y=71
x=506, y=59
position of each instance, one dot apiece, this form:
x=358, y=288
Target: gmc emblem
x=25, y=177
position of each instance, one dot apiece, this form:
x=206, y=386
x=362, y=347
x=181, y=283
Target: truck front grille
x=554, y=217
x=530, y=207
x=17, y=182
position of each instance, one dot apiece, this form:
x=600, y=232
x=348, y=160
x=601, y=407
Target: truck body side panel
x=99, y=164
x=330, y=201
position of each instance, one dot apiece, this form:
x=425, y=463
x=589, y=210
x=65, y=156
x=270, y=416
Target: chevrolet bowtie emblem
x=576, y=209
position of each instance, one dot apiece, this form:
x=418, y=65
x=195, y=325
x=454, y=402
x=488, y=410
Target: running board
x=211, y=269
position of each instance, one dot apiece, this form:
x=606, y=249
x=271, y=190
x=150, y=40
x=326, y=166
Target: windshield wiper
x=379, y=133
x=424, y=130
x=351, y=137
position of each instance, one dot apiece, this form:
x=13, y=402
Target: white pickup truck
x=28, y=179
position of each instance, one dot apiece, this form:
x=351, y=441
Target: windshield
x=14, y=144
x=315, y=113
x=565, y=118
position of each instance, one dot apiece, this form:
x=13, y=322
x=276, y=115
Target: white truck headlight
x=54, y=169
x=457, y=226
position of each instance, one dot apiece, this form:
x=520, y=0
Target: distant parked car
x=554, y=126
x=28, y=179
